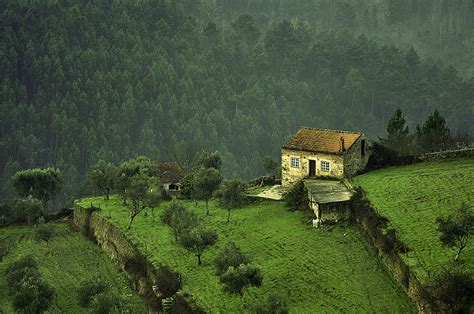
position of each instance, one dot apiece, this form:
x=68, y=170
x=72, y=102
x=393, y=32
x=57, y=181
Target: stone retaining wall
x=388, y=247
x=139, y=270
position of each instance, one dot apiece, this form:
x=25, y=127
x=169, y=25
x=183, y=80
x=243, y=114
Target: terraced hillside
x=324, y=270
x=69, y=260
x=411, y=197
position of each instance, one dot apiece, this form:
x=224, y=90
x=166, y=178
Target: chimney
x=342, y=147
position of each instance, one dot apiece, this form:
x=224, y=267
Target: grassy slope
x=70, y=260
x=411, y=197
x=316, y=270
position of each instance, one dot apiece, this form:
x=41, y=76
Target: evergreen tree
x=398, y=137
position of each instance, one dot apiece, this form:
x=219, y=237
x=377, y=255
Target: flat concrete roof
x=327, y=191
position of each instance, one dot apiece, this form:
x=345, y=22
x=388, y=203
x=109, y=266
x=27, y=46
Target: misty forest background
x=87, y=80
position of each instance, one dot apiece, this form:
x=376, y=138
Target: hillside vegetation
x=83, y=81
x=69, y=260
x=412, y=197
x=325, y=270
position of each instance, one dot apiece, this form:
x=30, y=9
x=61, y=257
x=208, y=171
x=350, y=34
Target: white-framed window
x=295, y=162
x=325, y=167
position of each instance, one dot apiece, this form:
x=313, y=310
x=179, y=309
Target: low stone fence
x=388, y=247
x=447, y=154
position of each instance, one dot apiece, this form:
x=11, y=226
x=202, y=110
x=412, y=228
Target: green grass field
x=411, y=197
x=323, y=270
x=70, y=260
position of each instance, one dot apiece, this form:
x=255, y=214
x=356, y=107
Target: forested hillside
x=438, y=29
x=82, y=81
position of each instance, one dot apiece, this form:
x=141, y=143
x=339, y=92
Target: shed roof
x=321, y=140
x=327, y=191
x=171, y=172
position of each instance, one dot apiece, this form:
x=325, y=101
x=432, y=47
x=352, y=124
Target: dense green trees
x=83, y=82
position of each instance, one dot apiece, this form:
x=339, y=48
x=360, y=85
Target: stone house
x=324, y=153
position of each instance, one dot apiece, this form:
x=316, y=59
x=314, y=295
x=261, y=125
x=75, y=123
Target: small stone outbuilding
x=171, y=174
x=324, y=153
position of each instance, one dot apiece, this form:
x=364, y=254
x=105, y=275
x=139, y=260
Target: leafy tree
x=274, y=304
x=197, y=240
x=211, y=160
x=433, y=135
x=44, y=232
x=231, y=195
x=103, y=176
x=139, y=194
x=129, y=169
x=206, y=181
x=271, y=166
x=457, y=228
x=230, y=255
x=236, y=279
x=179, y=219
x=43, y=184
x=398, y=137
x=187, y=185
x=153, y=197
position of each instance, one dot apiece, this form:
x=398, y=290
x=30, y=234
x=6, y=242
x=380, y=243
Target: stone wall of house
x=291, y=174
x=354, y=162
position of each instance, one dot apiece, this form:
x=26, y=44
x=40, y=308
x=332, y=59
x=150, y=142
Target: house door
x=312, y=168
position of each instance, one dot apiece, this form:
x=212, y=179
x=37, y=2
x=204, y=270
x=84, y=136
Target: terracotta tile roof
x=321, y=140
x=170, y=172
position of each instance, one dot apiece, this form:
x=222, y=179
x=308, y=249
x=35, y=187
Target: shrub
x=230, y=255
x=89, y=289
x=451, y=292
x=274, y=304
x=168, y=281
x=235, y=279
x=30, y=293
x=33, y=295
x=297, y=197
x=105, y=302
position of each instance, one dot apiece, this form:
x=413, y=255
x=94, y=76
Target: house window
x=362, y=148
x=325, y=166
x=295, y=162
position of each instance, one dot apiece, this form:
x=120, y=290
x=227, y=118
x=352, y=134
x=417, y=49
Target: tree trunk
x=132, y=216
x=107, y=193
x=207, y=206
x=456, y=258
x=199, y=259
x=228, y=215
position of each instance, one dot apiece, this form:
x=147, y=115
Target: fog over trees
x=86, y=81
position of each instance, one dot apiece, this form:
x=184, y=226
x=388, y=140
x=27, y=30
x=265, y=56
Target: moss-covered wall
x=389, y=247
x=137, y=268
